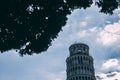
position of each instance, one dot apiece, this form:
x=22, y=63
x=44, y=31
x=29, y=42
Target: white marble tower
x=80, y=63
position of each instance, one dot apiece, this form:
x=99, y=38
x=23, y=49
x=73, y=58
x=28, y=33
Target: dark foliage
x=29, y=26
x=107, y=6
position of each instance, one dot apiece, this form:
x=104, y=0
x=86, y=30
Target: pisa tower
x=80, y=63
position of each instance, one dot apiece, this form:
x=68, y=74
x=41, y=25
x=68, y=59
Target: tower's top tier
x=79, y=48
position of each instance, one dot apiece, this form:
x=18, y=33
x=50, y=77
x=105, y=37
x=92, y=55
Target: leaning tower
x=80, y=63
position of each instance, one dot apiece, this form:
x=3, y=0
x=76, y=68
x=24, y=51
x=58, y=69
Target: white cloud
x=110, y=34
x=108, y=22
x=108, y=76
x=113, y=28
x=83, y=33
x=107, y=38
x=87, y=17
x=111, y=64
x=53, y=76
x=94, y=29
x=83, y=24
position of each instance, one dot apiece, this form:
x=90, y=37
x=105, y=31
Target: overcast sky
x=100, y=31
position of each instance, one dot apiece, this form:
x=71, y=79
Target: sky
x=99, y=31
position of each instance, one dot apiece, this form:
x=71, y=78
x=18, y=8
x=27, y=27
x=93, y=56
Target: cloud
x=83, y=33
x=88, y=32
x=59, y=76
x=88, y=18
x=94, y=29
x=110, y=34
x=108, y=76
x=113, y=28
x=83, y=24
x=51, y=76
x=111, y=65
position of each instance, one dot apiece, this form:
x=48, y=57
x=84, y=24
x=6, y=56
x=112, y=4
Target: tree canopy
x=29, y=26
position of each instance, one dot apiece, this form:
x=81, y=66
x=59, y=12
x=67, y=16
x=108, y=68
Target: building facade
x=80, y=63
